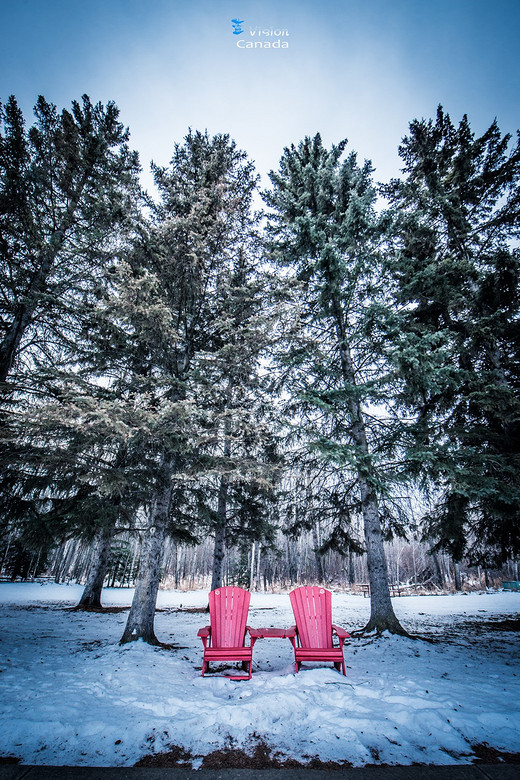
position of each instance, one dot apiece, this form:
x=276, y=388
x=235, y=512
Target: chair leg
x=247, y=666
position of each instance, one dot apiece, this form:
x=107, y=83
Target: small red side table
x=272, y=633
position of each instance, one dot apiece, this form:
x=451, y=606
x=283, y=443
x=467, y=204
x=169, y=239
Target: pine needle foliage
x=457, y=339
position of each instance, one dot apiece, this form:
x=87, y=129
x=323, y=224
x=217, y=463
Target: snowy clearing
x=72, y=695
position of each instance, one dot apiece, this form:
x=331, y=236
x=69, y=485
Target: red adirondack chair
x=224, y=639
x=313, y=635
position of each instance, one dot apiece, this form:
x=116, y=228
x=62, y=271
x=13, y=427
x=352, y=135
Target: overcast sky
x=360, y=69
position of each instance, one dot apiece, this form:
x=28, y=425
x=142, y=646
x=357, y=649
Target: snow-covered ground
x=71, y=695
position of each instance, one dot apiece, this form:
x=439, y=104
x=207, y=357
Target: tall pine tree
x=456, y=266
x=174, y=286
x=66, y=186
x=324, y=235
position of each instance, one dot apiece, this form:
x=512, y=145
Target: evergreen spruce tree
x=171, y=311
x=456, y=266
x=66, y=186
x=101, y=545
x=69, y=471
x=243, y=462
x=324, y=235
x=68, y=197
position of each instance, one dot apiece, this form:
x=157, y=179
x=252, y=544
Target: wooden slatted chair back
x=228, y=608
x=312, y=607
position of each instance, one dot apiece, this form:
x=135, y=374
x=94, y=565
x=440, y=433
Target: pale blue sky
x=361, y=69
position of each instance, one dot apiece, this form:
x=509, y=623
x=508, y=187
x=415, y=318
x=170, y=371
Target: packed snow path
x=72, y=695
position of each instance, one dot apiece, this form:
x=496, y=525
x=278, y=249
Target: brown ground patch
x=485, y=754
x=176, y=757
x=107, y=610
x=260, y=757
x=172, y=610
x=508, y=624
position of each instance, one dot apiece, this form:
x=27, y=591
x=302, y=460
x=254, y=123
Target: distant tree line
x=294, y=387
x=289, y=562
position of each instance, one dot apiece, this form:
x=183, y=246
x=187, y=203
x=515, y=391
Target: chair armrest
x=340, y=632
x=254, y=634
x=293, y=636
x=204, y=632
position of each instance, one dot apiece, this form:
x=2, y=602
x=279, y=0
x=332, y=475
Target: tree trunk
x=91, y=596
x=23, y=317
x=438, y=570
x=140, y=623
x=317, y=557
x=351, y=574
x=291, y=571
x=258, y=587
x=458, y=579
x=6, y=553
x=68, y=553
x=382, y=615
x=25, y=313
x=252, y=568
x=133, y=573
x=219, y=548
x=58, y=562
x=82, y=563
